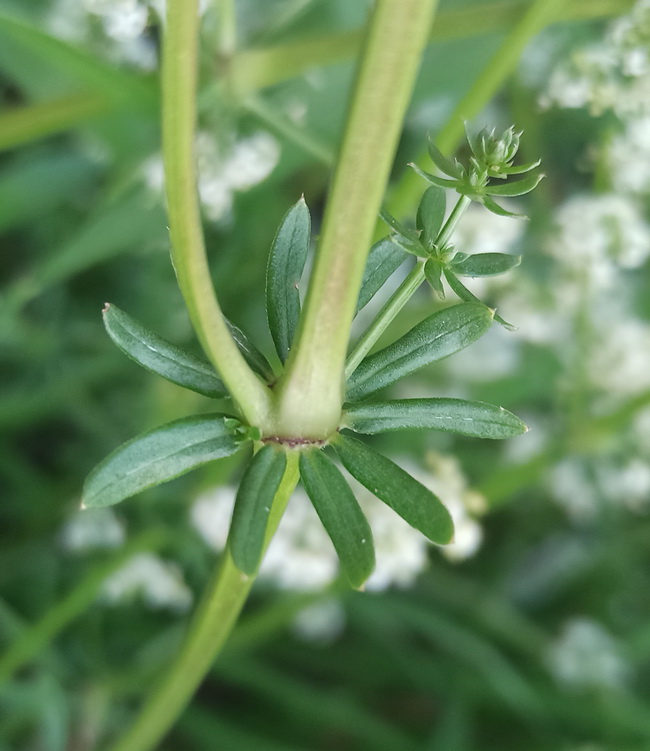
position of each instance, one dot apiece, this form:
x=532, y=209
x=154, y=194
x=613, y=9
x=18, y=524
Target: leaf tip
x=106, y=308
x=82, y=506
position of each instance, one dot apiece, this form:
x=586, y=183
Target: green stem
x=503, y=63
x=311, y=392
x=227, y=33
x=24, y=124
x=256, y=69
x=402, y=295
x=35, y=638
x=212, y=623
x=179, y=84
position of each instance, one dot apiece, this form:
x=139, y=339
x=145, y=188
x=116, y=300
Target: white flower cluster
x=301, y=555
x=585, y=656
x=595, y=235
x=612, y=73
x=250, y=161
x=158, y=583
x=91, y=530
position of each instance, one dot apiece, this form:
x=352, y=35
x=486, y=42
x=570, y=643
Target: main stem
x=311, y=392
x=212, y=623
x=179, y=84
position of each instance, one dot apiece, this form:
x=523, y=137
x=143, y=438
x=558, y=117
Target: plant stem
x=402, y=295
x=503, y=63
x=256, y=69
x=214, y=620
x=179, y=84
x=311, y=392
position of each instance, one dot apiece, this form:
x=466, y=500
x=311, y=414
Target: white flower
x=481, y=231
x=597, y=234
x=91, y=529
x=628, y=157
x=159, y=583
x=619, y=362
x=573, y=489
x=628, y=484
x=323, y=622
x=586, y=656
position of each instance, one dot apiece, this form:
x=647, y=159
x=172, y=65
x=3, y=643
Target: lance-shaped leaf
x=461, y=290
x=517, y=188
x=434, y=179
x=286, y=263
x=494, y=207
x=416, y=504
x=160, y=356
x=257, y=489
x=251, y=354
x=158, y=456
x=476, y=419
x=384, y=259
x=484, y=264
x=403, y=232
x=438, y=336
x=519, y=169
x=431, y=215
x=433, y=272
x=340, y=514
x=450, y=167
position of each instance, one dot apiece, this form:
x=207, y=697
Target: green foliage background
x=459, y=662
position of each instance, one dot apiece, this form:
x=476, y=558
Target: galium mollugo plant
x=178, y=447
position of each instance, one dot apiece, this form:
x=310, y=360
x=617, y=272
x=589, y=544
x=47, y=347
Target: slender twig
x=402, y=295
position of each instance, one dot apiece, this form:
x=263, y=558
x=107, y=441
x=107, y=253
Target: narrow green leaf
x=475, y=419
x=157, y=456
x=461, y=290
x=449, y=167
x=407, y=234
x=520, y=169
x=257, y=489
x=251, y=354
x=286, y=263
x=340, y=514
x=434, y=179
x=384, y=259
x=431, y=215
x=417, y=505
x=517, y=188
x=432, y=272
x=484, y=264
x=159, y=356
x=494, y=207
x=438, y=336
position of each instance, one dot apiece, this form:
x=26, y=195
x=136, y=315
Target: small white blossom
x=597, y=234
x=323, y=622
x=619, y=363
x=572, y=488
x=159, y=583
x=628, y=484
x=586, y=656
x=481, y=231
x=92, y=529
x=628, y=157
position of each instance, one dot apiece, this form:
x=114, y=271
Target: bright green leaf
x=157, y=456
x=340, y=514
x=519, y=169
x=434, y=179
x=286, y=263
x=494, y=207
x=438, y=336
x=159, y=356
x=385, y=257
x=449, y=167
x=251, y=354
x=432, y=272
x=476, y=419
x=398, y=228
x=461, y=290
x=257, y=489
x=431, y=215
x=484, y=264
x=517, y=188
x=416, y=504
